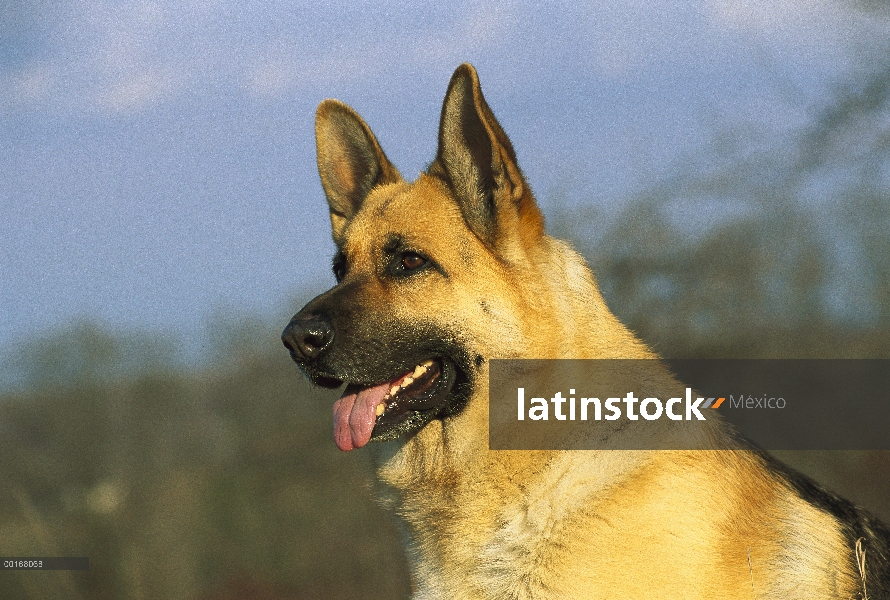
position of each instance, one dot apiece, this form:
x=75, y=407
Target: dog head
x=429, y=273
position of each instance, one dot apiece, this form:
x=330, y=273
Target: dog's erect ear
x=350, y=161
x=477, y=160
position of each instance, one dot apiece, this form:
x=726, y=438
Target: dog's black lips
x=409, y=411
x=444, y=397
x=324, y=381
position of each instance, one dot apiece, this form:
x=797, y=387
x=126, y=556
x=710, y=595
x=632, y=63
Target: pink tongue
x=354, y=416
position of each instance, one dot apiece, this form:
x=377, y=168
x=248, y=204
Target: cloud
x=127, y=56
x=772, y=16
x=623, y=36
x=359, y=46
x=804, y=27
x=135, y=93
x=30, y=85
x=277, y=70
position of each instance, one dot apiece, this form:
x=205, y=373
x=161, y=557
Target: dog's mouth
x=386, y=410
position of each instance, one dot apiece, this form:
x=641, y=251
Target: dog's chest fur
x=613, y=524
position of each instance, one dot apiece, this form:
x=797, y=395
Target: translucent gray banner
x=775, y=404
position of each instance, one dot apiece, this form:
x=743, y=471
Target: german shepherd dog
x=437, y=277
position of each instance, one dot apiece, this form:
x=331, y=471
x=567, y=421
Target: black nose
x=307, y=336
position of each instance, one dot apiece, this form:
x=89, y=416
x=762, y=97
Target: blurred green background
x=220, y=480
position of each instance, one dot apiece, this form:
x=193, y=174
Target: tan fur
x=547, y=524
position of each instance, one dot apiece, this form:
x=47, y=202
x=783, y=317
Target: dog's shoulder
x=867, y=538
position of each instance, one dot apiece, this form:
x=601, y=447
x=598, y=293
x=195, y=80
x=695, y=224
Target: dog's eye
x=411, y=261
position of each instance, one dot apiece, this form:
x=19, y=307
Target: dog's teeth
x=407, y=381
x=394, y=390
x=418, y=371
x=427, y=363
x=380, y=408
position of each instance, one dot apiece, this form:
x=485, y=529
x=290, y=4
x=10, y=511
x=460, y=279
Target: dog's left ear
x=350, y=161
x=477, y=160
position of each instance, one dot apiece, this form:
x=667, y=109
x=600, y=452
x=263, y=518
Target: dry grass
x=860, y=563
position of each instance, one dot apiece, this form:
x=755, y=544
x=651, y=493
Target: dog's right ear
x=477, y=161
x=350, y=161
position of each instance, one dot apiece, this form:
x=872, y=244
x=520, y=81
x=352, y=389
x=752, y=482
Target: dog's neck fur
x=431, y=477
x=439, y=481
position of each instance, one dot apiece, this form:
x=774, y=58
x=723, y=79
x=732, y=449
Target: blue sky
x=157, y=158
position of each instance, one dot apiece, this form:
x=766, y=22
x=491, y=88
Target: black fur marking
x=383, y=206
x=855, y=523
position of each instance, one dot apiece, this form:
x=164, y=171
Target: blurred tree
x=222, y=482
x=82, y=353
x=759, y=247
